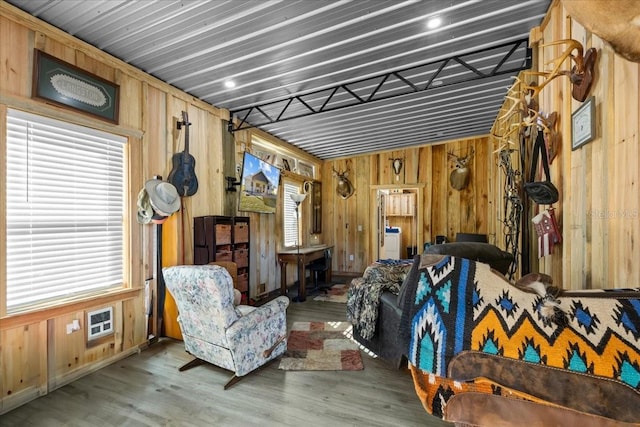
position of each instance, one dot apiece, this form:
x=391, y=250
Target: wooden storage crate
x=241, y=257
x=224, y=254
x=241, y=233
x=223, y=234
x=243, y=282
x=222, y=239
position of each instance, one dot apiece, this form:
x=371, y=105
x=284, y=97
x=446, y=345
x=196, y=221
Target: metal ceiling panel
x=275, y=50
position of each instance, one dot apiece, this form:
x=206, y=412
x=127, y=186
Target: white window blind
x=290, y=222
x=65, y=202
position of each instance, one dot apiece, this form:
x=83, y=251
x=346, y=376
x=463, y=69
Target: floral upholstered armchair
x=239, y=339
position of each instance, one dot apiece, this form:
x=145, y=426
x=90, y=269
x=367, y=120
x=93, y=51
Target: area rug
x=337, y=293
x=321, y=346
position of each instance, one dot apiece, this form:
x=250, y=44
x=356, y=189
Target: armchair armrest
x=256, y=332
x=253, y=318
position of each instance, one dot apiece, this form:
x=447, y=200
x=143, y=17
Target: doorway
x=397, y=221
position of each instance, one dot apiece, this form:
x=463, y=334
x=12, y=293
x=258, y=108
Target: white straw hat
x=163, y=196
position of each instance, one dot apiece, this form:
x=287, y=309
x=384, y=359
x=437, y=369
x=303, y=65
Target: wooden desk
x=307, y=254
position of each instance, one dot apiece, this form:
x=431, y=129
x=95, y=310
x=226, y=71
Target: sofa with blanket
x=484, y=351
x=375, y=300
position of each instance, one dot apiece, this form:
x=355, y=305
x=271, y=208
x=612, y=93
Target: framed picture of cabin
x=583, y=124
x=64, y=84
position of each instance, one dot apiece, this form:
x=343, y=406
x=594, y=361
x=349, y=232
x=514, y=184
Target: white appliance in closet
x=392, y=243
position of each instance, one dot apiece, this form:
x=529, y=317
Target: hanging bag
x=541, y=192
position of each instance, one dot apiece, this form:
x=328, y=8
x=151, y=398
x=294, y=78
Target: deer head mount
x=580, y=75
x=459, y=176
x=344, y=188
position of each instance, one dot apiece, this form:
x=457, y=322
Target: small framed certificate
x=583, y=124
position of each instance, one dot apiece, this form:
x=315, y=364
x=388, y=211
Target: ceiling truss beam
x=257, y=112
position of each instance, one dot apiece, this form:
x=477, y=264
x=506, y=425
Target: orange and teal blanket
x=456, y=304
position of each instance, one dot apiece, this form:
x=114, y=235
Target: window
x=65, y=207
x=289, y=220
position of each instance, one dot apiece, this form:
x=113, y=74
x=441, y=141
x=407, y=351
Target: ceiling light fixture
x=434, y=23
x=229, y=84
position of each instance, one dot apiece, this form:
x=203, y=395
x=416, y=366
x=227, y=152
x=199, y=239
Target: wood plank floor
x=146, y=389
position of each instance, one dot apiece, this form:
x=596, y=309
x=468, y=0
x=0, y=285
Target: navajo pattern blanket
x=456, y=305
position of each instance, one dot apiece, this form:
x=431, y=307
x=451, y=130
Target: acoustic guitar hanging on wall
x=183, y=175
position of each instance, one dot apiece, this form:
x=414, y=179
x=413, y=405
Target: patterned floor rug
x=321, y=346
x=337, y=293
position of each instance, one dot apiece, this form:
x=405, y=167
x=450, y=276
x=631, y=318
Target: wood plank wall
x=445, y=211
x=599, y=206
x=598, y=210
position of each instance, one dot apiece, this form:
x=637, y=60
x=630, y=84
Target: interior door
x=378, y=218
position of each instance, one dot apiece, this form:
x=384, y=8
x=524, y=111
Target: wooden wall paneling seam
x=340, y=222
x=437, y=205
x=468, y=198
x=494, y=230
x=573, y=182
x=14, y=66
x=351, y=217
x=328, y=212
x=423, y=175
x=50, y=350
x=625, y=208
x=594, y=176
x=454, y=197
x=599, y=164
x=229, y=169
x=128, y=329
x=409, y=173
x=361, y=226
x=118, y=327
x=635, y=215
x=610, y=166
x=558, y=95
x=134, y=250
x=481, y=175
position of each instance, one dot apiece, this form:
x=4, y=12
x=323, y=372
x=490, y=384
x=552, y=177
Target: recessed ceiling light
x=434, y=22
x=230, y=84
